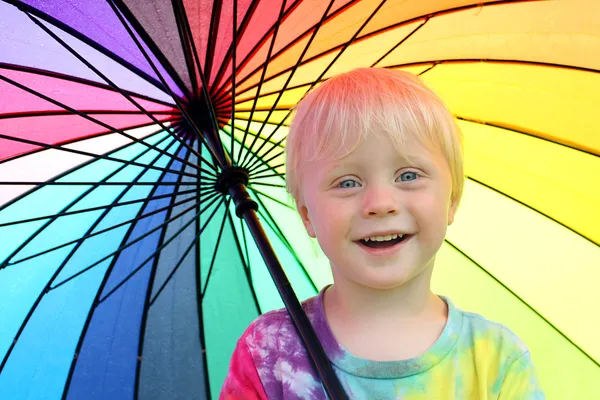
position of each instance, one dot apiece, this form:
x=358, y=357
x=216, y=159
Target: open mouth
x=383, y=242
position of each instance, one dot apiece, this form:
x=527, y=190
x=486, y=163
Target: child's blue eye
x=408, y=176
x=348, y=184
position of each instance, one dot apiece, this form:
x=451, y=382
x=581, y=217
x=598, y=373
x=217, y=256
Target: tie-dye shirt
x=473, y=358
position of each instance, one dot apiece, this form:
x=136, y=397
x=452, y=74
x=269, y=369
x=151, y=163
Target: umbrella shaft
x=246, y=209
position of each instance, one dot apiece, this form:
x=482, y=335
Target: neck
x=400, y=306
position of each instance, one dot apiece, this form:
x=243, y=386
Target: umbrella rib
x=523, y=132
x=183, y=110
x=266, y=184
x=84, y=210
x=56, y=273
x=287, y=82
x=401, y=42
x=535, y=210
x=141, y=216
x=150, y=287
x=189, y=248
x=214, y=257
x=95, y=302
x=228, y=56
x=273, y=175
x=262, y=77
x=345, y=46
x=233, y=64
x=94, y=120
x=105, y=78
x=221, y=93
x=151, y=256
x=212, y=37
x=123, y=247
x=76, y=79
x=272, y=199
x=84, y=164
x=81, y=196
x=185, y=35
x=524, y=302
x=245, y=267
x=96, y=46
x=53, y=113
x=258, y=158
x=123, y=13
x=369, y=35
x=95, y=156
x=200, y=310
x=275, y=227
x=267, y=168
x=259, y=161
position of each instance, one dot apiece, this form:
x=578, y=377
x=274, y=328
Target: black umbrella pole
x=246, y=209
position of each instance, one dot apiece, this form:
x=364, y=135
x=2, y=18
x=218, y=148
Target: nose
x=380, y=200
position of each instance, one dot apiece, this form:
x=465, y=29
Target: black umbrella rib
x=141, y=216
x=193, y=54
x=404, y=39
x=185, y=36
x=371, y=34
x=98, y=293
x=84, y=210
x=150, y=257
x=94, y=120
x=266, y=184
x=121, y=248
x=66, y=28
x=122, y=13
x=106, y=79
x=275, y=227
x=149, y=289
x=58, y=270
x=221, y=93
x=214, y=257
x=233, y=64
x=561, y=333
x=75, y=79
x=193, y=242
x=239, y=33
x=589, y=239
x=212, y=36
x=262, y=77
x=77, y=199
x=346, y=45
x=94, y=183
x=95, y=156
x=86, y=163
x=181, y=107
x=287, y=82
x=53, y=113
x=245, y=266
x=269, y=168
x=260, y=192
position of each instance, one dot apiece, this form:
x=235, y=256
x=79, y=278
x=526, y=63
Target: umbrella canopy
x=124, y=270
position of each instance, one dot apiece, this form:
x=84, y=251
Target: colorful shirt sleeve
x=242, y=381
x=521, y=381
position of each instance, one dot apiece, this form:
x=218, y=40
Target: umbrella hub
x=233, y=181
x=230, y=177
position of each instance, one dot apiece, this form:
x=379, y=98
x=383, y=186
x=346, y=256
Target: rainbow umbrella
x=133, y=134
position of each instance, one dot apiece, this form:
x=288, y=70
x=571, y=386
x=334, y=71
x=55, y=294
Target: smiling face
x=376, y=193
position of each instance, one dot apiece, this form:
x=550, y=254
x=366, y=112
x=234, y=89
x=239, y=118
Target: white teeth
x=383, y=238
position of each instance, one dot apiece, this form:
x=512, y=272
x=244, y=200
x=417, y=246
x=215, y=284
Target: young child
x=374, y=163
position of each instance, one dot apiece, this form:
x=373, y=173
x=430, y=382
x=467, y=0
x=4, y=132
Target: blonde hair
x=335, y=118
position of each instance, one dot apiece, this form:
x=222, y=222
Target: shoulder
x=279, y=355
x=482, y=329
x=272, y=336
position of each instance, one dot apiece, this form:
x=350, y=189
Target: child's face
x=374, y=192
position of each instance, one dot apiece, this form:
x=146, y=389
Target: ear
x=452, y=211
x=304, y=214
